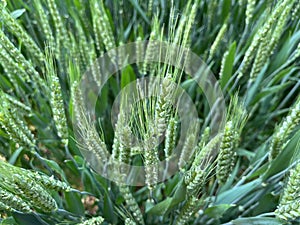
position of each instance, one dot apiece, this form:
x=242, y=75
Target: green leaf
x=266, y=204
x=165, y=206
x=284, y=159
x=88, y=181
x=285, y=50
x=171, y=184
x=114, y=86
x=127, y=76
x=253, y=89
x=180, y=193
x=108, y=209
x=138, y=8
x=226, y=7
x=17, y=13
x=161, y=208
x=269, y=91
x=71, y=165
x=73, y=203
x=285, y=73
x=243, y=152
x=12, y=160
x=236, y=193
x=217, y=211
x=256, y=221
x=54, y=166
x=8, y=221
x=258, y=172
x=28, y=219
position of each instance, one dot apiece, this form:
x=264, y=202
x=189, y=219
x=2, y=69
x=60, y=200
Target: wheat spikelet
x=132, y=204
x=227, y=155
x=50, y=183
x=14, y=126
x=187, y=210
x=91, y=141
x=177, y=33
x=56, y=100
x=150, y=7
x=269, y=42
x=191, y=13
x=236, y=121
x=195, y=179
x=11, y=67
x=129, y=221
x=95, y=144
x=77, y=101
x=60, y=31
x=170, y=138
x=163, y=105
x=151, y=47
x=205, y=150
x=18, y=30
x=296, y=9
x=13, y=202
x=212, y=7
x=188, y=148
x=289, y=211
x=260, y=37
x=116, y=142
x=250, y=10
x=82, y=48
x=44, y=22
x=151, y=161
x=102, y=28
x=125, y=147
x=22, y=108
x=283, y=131
x=39, y=198
x=289, y=206
x=223, y=64
x=217, y=41
x=93, y=221
x=16, y=60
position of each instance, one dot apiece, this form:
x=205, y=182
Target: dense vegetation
x=240, y=167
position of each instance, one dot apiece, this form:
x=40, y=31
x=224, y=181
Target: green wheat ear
x=129, y=221
x=217, y=41
x=236, y=121
x=269, y=41
x=261, y=48
x=13, y=123
x=93, y=221
x=13, y=202
x=189, y=146
x=17, y=62
x=35, y=194
x=132, y=204
x=289, y=206
x=284, y=129
x=49, y=183
x=187, y=210
x=170, y=140
x=56, y=99
x=250, y=11
x=20, y=32
x=62, y=38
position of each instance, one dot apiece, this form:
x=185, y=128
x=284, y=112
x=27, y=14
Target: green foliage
x=224, y=176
